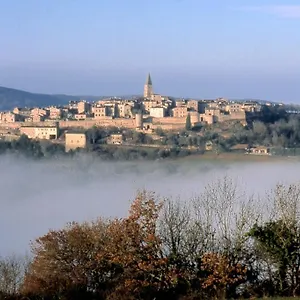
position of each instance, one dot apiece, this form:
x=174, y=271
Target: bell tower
x=148, y=89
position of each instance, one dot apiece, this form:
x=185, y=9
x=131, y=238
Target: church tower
x=148, y=89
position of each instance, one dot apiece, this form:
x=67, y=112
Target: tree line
x=36, y=149
x=221, y=244
x=31, y=148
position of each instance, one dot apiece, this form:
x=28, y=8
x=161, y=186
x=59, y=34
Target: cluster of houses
x=151, y=105
x=156, y=107
x=141, y=113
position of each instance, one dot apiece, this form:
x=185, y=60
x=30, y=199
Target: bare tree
x=227, y=213
x=284, y=203
x=177, y=229
x=12, y=272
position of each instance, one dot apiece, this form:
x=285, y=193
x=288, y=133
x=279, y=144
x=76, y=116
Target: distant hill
x=10, y=98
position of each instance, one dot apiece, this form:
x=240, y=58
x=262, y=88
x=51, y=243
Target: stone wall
x=14, y=125
x=241, y=115
x=105, y=122
x=169, y=123
x=169, y=120
x=169, y=126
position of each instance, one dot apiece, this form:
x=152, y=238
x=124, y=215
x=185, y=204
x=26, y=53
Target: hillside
x=10, y=98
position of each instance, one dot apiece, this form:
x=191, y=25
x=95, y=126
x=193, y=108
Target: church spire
x=149, y=81
x=148, y=89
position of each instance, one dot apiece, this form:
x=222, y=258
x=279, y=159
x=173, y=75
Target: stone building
x=40, y=132
x=180, y=102
x=259, y=151
x=157, y=98
x=124, y=110
x=139, y=120
x=83, y=107
x=147, y=105
x=193, y=105
x=115, y=139
x=157, y=112
x=180, y=112
x=74, y=141
x=9, y=117
x=100, y=112
x=80, y=117
x=55, y=113
x=38, y=112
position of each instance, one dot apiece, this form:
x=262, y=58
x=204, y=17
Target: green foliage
x=281, y=242
x=284, y=133
x=277, y=238
x=159, y=131
x=272, y=114
x=188, y=123
x=31, y=148
x=97, y=135
x=27, y=147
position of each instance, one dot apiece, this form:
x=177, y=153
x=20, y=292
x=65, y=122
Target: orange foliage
x=220, y=272
x=124, y=252
x=65, y=258
x=135, y=246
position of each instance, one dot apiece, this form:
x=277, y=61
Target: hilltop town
x=67, y=124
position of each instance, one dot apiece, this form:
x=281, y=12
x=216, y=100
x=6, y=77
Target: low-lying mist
x=40, y=195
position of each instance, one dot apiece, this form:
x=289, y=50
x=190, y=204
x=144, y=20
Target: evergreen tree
x=188, y=123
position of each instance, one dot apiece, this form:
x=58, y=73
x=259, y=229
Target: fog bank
x=39, y=195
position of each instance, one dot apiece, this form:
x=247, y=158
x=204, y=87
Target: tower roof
x=149, y=81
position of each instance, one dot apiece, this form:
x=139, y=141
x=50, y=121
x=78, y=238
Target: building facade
x=180, y=112
x=157, y=112
x=115, y=139
x=74, y=141
x=40, y=132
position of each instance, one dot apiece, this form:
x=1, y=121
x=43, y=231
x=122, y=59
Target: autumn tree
x=65, y=260
x=115, y=259
x=136, y=246
x=218, y=273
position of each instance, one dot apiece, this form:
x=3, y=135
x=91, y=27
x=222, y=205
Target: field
x=239, y=157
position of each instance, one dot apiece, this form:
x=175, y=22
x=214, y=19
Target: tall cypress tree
x=188, y=123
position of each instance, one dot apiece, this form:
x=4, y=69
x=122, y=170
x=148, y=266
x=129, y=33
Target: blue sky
x=196, y=48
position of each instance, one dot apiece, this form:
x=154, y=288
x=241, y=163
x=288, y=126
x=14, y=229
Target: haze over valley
x=39, y=195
